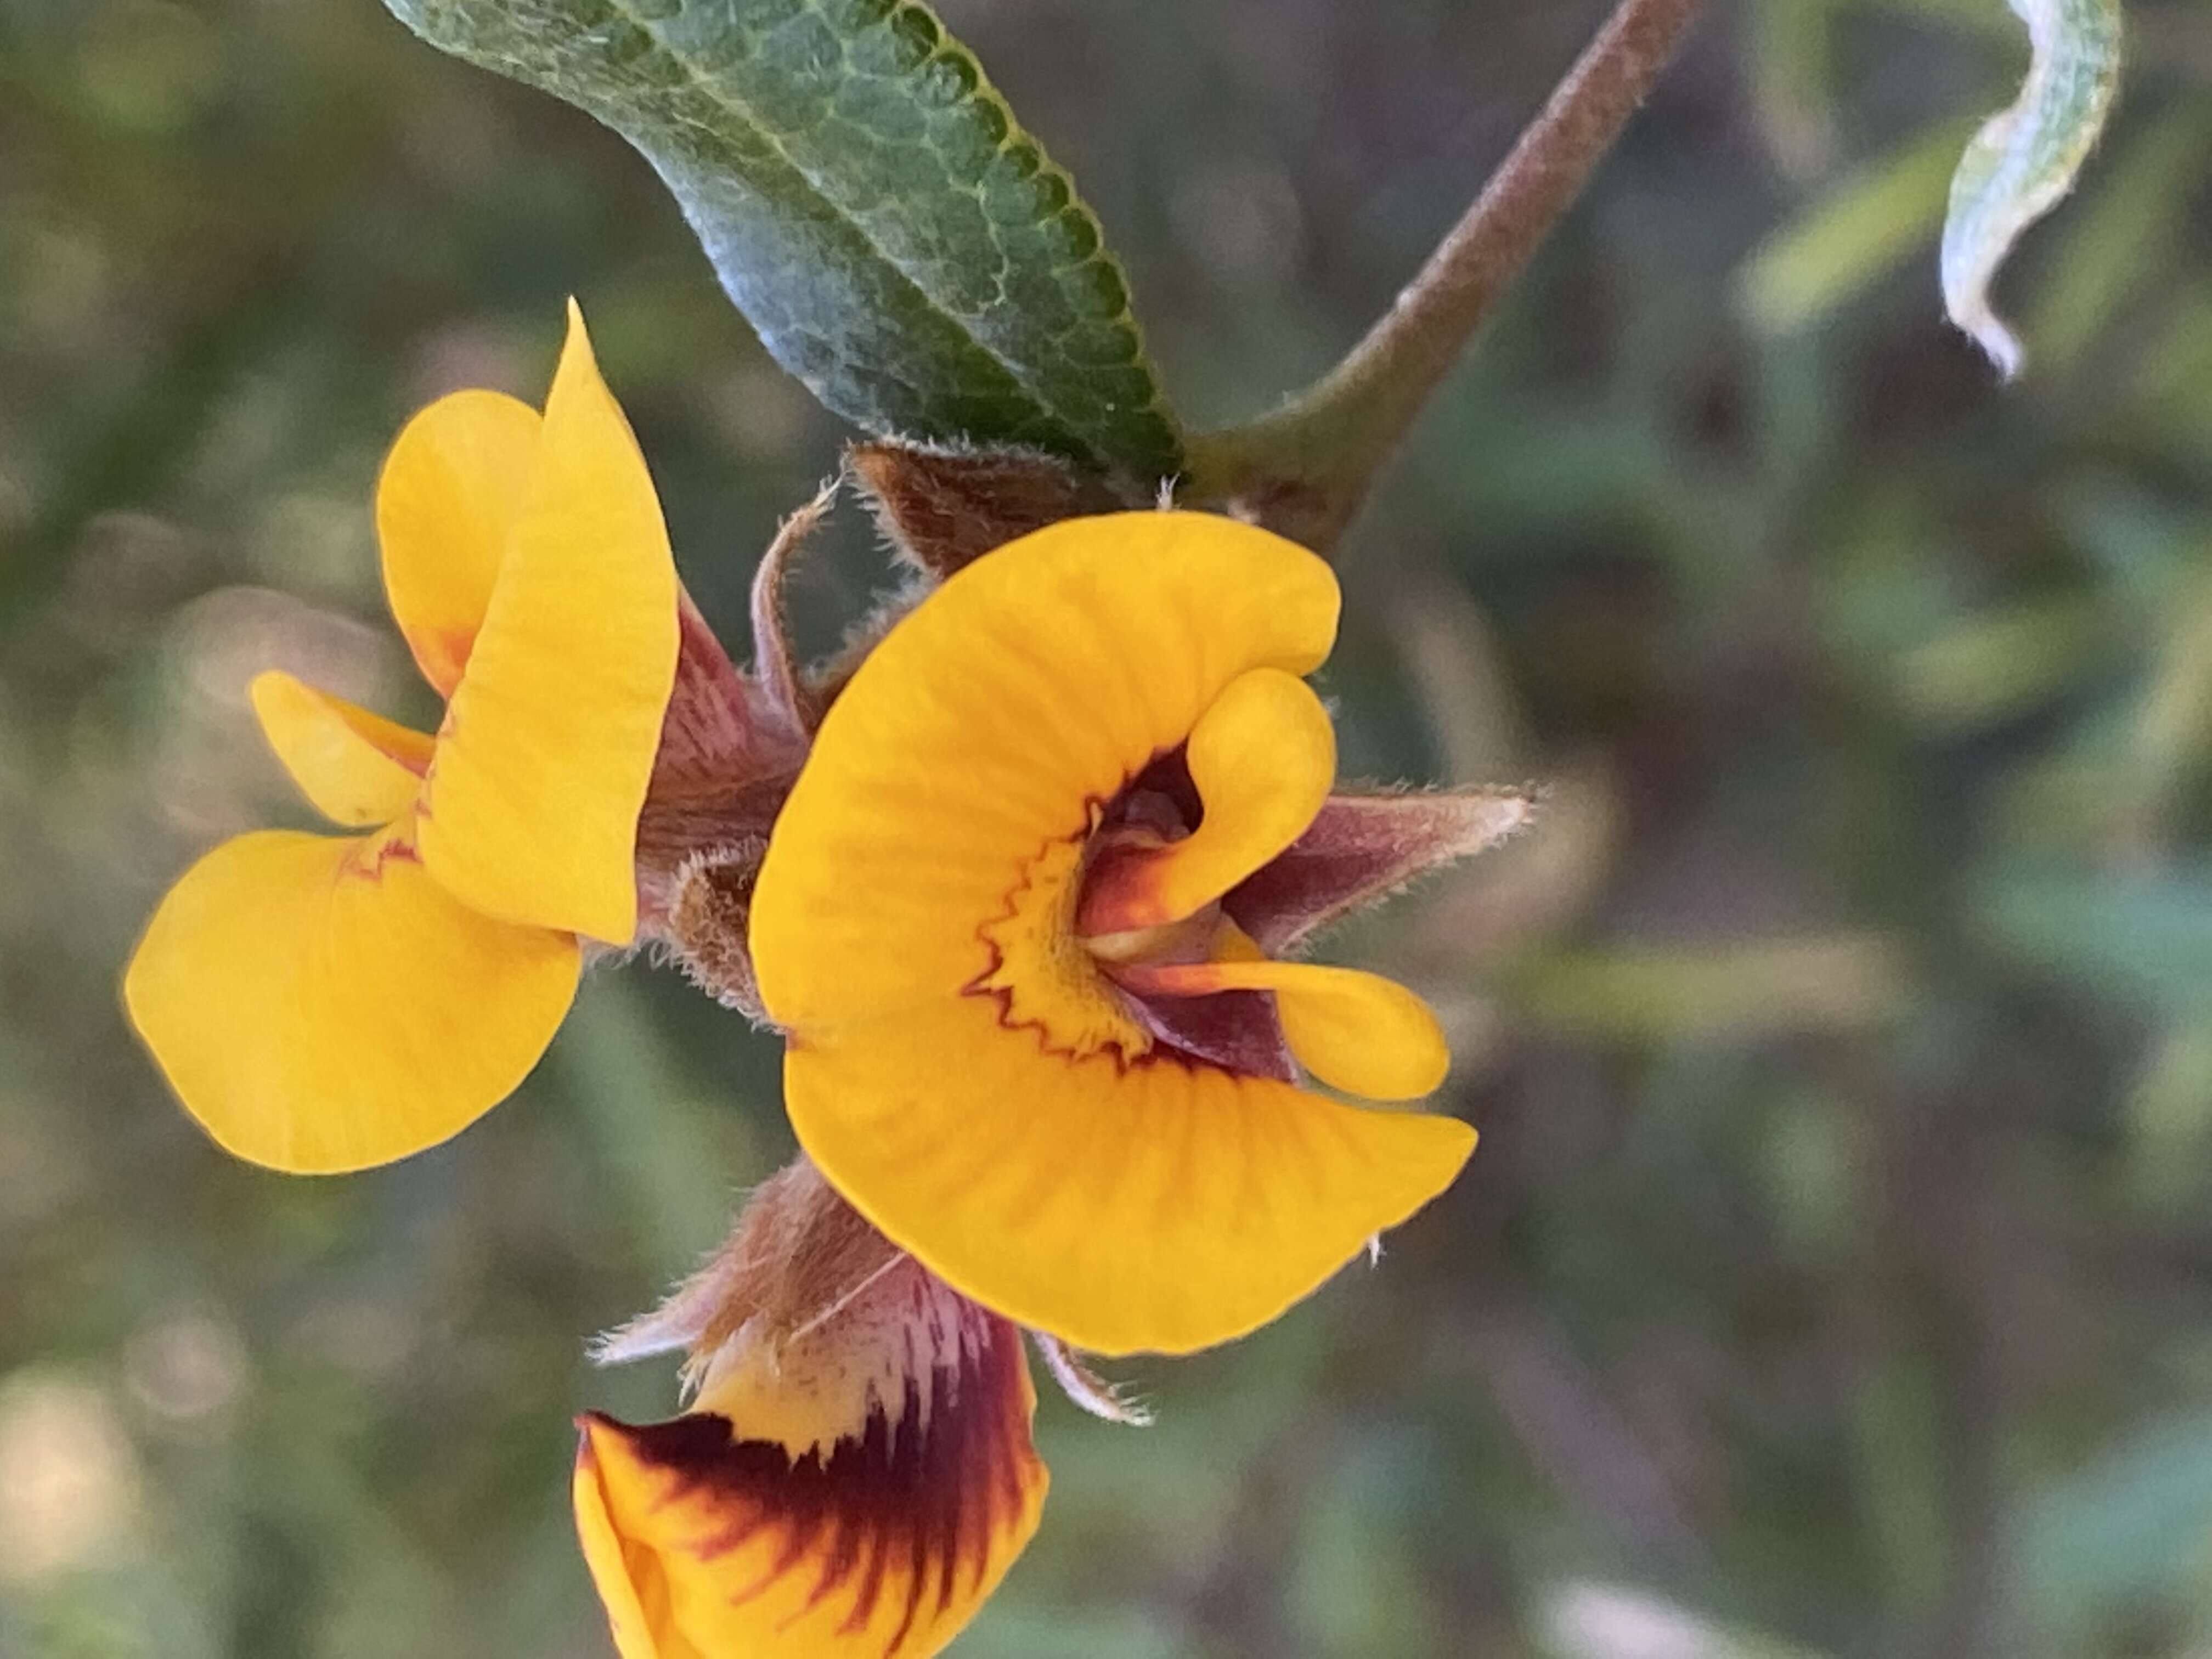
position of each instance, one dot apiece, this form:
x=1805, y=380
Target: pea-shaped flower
x=328, y=1002
x=1016, y=920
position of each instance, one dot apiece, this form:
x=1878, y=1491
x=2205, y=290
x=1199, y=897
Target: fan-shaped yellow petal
x=446, y=503
x=319, y=1004
x=991, y=722
x=1155, y=1204
x=354, y=768
x=531, y=810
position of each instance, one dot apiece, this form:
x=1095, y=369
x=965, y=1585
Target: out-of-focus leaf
x=2173, y=733
x=1864, y=228
x=1792, y=64
x=2023, y=161
x=871, y=206
x=1999, y=664
x=1835, y=982
x=2146, y=938
x=2125, y=232
x=1898, y=1439
x=674, y=1175
x=2175, y=384
x=2168, y=1115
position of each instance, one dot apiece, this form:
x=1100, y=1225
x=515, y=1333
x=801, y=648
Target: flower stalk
x=1303, y=470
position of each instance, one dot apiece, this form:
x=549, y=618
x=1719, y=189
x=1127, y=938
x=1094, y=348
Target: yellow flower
x=324, y=1003
x=855, y=1472
x=1034, y=1033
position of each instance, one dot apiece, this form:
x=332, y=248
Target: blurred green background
x=1835, y=1275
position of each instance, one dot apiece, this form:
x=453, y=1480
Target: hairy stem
x=1305, y=469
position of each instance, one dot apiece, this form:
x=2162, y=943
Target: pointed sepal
x=942, y=508
x=1360, y=849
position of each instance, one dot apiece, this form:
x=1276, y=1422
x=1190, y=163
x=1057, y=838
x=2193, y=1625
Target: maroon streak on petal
x=857, y=1471
x=1360, y=849
x=898, y=1527
x=1237, y=1030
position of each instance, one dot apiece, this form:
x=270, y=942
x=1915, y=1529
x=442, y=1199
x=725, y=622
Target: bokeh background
x=1835, y=1275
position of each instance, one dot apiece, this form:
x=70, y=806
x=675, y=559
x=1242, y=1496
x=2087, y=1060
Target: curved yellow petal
x=354, y=768
x=530, y=813
x=319, y=1004
x=989, y=723
x=1262, y=757
x=709, y=1538
x=446, y=502
x=1121, y=1206
x=1356, y=1031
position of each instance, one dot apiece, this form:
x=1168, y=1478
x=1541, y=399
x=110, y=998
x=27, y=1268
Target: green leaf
x=898, y=242
x=2024, y=159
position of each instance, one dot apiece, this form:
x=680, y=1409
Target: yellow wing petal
x=354, y=768
x=446, y=502
x=987, y=724
x=1154, y=1204
x=1355, y=1031
x=709, y=1536
x=531, y=812
x=319, y=1004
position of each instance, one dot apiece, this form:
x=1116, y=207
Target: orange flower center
x=1086, y=985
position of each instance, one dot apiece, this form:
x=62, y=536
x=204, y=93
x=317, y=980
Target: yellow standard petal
x=957, y=1065
x=354, y=768
x=989, y=724
x=319, y=1004
x=856, y=1474
x=531, y=810
x=446, y=501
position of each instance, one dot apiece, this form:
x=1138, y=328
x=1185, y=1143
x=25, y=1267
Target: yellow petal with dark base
x=1357, y=1032
x=1262, y=757
x=957, y=1065
x=319, y=1004
x=354, y=768
x=531, y=812
x=1028, y=689
x=446, y=503
x=715, y=1536
x=1155, y=1204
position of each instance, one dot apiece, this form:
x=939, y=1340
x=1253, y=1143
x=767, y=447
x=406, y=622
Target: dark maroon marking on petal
x=1238, y=1030
x=1161, y=794
x=392, y=850
x=1231, y=1030
x=899, y=1491
x=1361, y=848
x=839, y=1558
